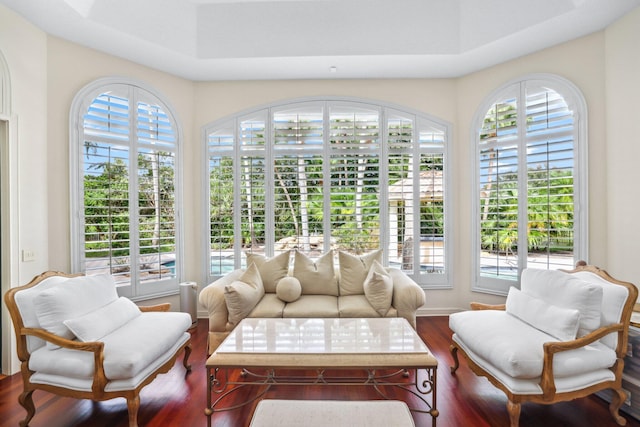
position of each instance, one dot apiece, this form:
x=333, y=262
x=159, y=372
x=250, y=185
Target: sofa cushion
x=378, y=288
x=359, y=306
x=354, y=270
x=316, y=278
x=96, y=324
x=72, y=298
x=243, y=294
x=561, y=323
x=288, y=289
x=127, y=350
x=515, y=348
x=566, y=290
x=271, y=269
x=269, y=306
x=312, y=306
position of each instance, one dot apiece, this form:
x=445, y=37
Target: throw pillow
x=561, y=323
x=288, y=289
x=354, y=269
x=378, y=288
x=271, y=269
x=243, y=294
x=565, y=290
x=316, y=278
x=101, y=322
x=72, y=298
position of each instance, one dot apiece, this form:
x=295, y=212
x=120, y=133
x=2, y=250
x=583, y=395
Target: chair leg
x=618, y=398
x=26, y=400
x=185, y=361
x=133, y=404
x=453, y=349
x=514, y=413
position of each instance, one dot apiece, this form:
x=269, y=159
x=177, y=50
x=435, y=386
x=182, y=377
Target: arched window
x=125, y=157
x=530, y=191
x=327, y=173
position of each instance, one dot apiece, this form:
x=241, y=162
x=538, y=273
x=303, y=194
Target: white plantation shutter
x=320, y=175
x=220, y=149
x=297, y=181
x=528, y=188
x=355, y=146
x=550, y=169
x=126, y=176
x=499, y=190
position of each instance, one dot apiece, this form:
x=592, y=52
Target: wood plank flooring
x=176, y=399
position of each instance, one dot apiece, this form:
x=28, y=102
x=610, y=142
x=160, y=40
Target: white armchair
x=561, y=337
x=76, y=338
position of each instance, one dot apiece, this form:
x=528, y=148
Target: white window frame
x=136, y=289
x=576, y=102
x=427, y=281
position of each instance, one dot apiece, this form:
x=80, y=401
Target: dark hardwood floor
x=174, y=399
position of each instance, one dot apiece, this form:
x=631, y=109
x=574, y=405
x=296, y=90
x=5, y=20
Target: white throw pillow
x=96, y=324
x=354, y=269
x=243, y=294
x=288, y=289
x=316, y=278
x=561, y=323
x=378, y=288
x=271, y=269
x=568, y=291
x=70, y=299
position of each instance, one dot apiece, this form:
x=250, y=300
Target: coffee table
x=263, y=347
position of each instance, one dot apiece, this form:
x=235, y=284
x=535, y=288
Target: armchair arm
x=157, y=307
x=96, y=347
x=547, y=382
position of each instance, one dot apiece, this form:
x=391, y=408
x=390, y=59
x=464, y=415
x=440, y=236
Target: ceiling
x=319, y=39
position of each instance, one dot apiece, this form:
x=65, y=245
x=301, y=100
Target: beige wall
x=70, y=68
x=622, y=148
x=47, y=72
x=25, y=51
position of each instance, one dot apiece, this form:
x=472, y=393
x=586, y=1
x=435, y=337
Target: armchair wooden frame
x=547, y=384
x=100, y=381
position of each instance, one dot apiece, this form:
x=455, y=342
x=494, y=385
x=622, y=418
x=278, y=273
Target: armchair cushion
x=79, y=295
x=568, y=291
x=561, y=323
x=515, y=348
x=96, y=324
x=127, y=351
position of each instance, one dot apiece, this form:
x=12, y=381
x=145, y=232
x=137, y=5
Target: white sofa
x=561, y=337
x=76, y=338
x=358, y=287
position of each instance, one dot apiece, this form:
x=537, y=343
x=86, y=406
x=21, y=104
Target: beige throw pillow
x=288, y=289
x=271, y=269
x=243, y=294
x=316, y=278
x=354, y=269
x=378, y=288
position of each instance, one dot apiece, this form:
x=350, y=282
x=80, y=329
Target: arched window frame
x=575, y=101
x=237, y=147
x=145, y=281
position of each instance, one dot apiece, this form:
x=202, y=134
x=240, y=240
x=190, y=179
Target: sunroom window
x=124, y=170
x=325, y=174
x=530, y=192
